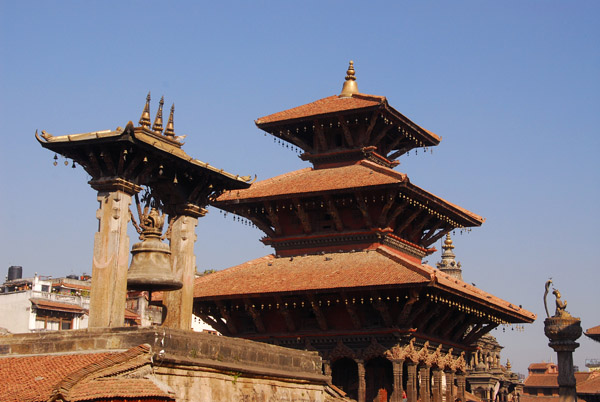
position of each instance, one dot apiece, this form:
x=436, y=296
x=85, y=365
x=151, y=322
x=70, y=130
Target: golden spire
x=350, y=86
x=145, y=119
x=448, y=243
x=157, y=126
x=170, y=131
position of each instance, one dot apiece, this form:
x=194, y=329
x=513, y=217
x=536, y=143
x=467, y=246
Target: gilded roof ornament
x=169, y=130
x=157, y=126
x=449, y=264
x=145, y=119
x=350, y=86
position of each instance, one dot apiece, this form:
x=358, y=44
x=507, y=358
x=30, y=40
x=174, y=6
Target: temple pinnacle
x=145, y=119
x=449, y=264
x=170, y=131
x=157, y=126
x=350, y=86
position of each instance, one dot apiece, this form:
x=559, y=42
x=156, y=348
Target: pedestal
x=562, y=332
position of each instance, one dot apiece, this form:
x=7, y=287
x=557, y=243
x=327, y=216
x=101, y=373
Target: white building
x=28, y=305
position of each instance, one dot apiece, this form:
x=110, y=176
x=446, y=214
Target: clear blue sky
x=512, y=87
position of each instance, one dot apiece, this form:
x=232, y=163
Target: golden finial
x=157, y=126
x=145, y=119
x=170, y=131
x=350, y=86
x=448, y=243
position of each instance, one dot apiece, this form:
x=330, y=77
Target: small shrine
x=347, y=277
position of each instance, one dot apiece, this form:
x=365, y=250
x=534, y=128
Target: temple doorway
x=379, y=378
x=344, y=375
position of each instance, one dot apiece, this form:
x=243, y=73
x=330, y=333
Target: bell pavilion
x=347, y=278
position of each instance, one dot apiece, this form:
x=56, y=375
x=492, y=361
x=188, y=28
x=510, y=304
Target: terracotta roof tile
x=312, y=272
x=542, y=381
x=540, y=366
x=308, y=181
x=117, y=388
x=590, y=385
x=32, y=378
x=56, y=306
x=382, y=267
x=331, y=104
x=594, y=330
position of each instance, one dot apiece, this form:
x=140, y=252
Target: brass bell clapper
x=150, y=268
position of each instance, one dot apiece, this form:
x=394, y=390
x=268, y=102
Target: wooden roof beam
x=108, y=162
x=319, y=140
x=369, y=130
x=273, y=218
x=364, y=209
x=256, y=317
x=397, y=211
x=303, y=216
x=382, y=308
x=407, y=222
x=381, y=135
x=391, y=197
x=416, y=312
x=437, y=236
x=321, y=320
x=406, y=309
x=352, y=312
x=431, y=231
x=94, y=166
x=287, y=316
x=346, y=130
x=264, y=226
x=460, y=331
x=452, y=324
x=426, y=317
x=133, y=164
x=216, y=324
x=482, y=330
x=227, y=317
x=439, y=321
x=333, y=211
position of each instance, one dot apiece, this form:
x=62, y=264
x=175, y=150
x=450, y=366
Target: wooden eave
x=70, y=146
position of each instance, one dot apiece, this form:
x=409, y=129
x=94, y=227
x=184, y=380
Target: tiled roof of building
x=77, y=377
x=331, y=104
x=312, y=272
x=591, y=385
x=541, y=381
x=308, y=181
x=131, y=315
x=594, y=330
x=108, y=388
x=56, y=306
x=587, y=382
x=540, y=366
x=381, y=267
x=32, y=378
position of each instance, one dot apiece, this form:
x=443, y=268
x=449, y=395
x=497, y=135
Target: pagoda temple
x=347, y=278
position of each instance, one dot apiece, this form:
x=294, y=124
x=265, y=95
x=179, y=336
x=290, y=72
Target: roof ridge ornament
x=448, y=264
x=350, y=86
x=145, y=119
x=157, y=126
x=170, y=130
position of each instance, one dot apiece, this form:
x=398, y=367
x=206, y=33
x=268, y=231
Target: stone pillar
x=362, y=386
x=411, y=384
x=111, y=254
x=397, y=370
x=563, y=330
x=450, y=397
x=327, y=368
x=180, y=303
x=437, y=385
x=461, y=380
x=425, y=389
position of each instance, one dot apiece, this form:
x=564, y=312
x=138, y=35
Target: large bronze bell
x=150, y=268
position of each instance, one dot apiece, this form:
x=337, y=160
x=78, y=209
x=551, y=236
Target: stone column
x=179, y=303
x=450, y=386
x=111, y=254
x=411, y=384
x=425, y=389
x=437, y=385
x=327, y=368
x=362, y=386
x=461, y=380
x=563, y=330
x=397, y=370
